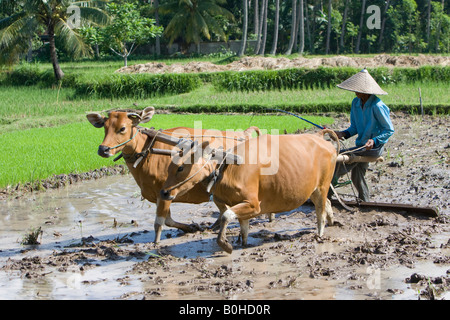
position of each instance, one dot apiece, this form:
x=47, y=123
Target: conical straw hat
x=362, y=82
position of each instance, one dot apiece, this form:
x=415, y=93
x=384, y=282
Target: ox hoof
x=226, y=246
x=192, y=228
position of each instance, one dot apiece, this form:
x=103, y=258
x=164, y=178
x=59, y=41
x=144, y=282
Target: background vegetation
x=294, y=26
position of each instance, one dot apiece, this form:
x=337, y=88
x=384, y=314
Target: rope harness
x=179, y=184
x=123, y=143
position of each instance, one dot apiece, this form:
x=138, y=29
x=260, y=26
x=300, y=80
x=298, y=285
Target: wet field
x=96, y=240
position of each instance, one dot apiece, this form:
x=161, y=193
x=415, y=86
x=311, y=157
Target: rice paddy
x=44, y=131
x=39, y=153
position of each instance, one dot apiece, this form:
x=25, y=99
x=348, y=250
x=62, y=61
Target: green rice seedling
x=32, y=236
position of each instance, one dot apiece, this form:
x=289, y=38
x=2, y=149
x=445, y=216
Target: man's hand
x=340, y=135
x=369, y=144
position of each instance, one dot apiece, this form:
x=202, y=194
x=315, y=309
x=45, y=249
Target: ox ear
x=96, y=119
x=147, y=114
x=134, y=117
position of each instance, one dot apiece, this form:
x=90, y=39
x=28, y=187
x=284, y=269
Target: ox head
x=119, y=128
x=185, y=171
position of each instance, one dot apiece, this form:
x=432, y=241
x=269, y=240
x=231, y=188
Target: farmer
x=369, y=119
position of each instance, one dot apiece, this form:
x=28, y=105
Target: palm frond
x=73, y=42
x=168, y=8
x=200, y=26
x=100, y=4
x=176, y=26
x=94, y=15
x=11, y=29
x=214, y=26
x=214, y=9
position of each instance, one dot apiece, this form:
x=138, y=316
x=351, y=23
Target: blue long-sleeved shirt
x=370, y=122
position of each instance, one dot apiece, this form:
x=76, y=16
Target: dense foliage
x=304, y=26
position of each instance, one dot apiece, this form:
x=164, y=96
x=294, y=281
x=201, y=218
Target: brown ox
x=279, y=173
x=121, y=134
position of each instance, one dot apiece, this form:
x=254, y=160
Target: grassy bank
x=44, y=132
x=28, y=107
x=38, y=153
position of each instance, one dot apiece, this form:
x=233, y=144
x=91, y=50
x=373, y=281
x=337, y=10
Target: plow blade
x=428, y=211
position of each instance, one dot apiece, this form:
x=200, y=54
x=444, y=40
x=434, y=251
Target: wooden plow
x=351, y=158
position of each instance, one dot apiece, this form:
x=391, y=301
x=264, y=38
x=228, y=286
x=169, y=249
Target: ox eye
x=122, y=129
x=180, y=169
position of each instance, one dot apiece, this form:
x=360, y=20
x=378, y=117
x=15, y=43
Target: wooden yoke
x=185, y=145
x=351, y=158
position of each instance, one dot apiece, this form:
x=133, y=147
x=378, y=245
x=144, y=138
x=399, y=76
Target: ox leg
x=319, y=198
x=163, y=218
x=244, y=230
x=162, y=212
x=243, y=211
x=222, y=208
x=222, y=241
x=329, y=212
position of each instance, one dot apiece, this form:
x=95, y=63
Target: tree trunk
x=361, y=23
x=383, y=23
x=59, y=74
x=344, y=22
x=293, y=23
x=276, y=27
x=256, y=18
x=428, y=23
x=296, y=28
x=244, y=29
x=327, y=50
x=97, y=51
x=30, y=49
x=158, y=38
x=438, y=29
x=308, y=28
x=125, y=55
x=264, y=39
x=301, y=31
x=258, y=38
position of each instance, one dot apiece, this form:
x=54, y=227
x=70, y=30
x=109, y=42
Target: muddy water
x=96, y=244
x=96, y=239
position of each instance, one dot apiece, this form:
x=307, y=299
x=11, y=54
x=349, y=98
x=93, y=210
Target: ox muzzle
x=165, y=195
x=103, y=151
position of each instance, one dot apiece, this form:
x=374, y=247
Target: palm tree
x=301, y=18
x=293, y=29
x=260, y=25
x=262, y=48
x=276, y=27
x=361, y=22
x=54, y=17
x=383, y=23
x=327, y=50
x=244, y=28
x=344, y=21
x=192, y=19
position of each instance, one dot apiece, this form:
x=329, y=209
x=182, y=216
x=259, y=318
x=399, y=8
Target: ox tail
x=333, y=136
x=248, y=132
